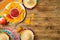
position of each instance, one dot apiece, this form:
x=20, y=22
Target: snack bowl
x=27, y=34
x=29, y=4
x=14, y=12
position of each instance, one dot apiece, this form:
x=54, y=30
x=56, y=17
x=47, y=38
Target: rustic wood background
x=46, y=22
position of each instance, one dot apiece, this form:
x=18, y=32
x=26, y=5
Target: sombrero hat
x=14, y=12
x=10, y=32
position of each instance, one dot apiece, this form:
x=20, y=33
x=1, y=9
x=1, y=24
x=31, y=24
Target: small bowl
x=28, y=7
x=31, y=34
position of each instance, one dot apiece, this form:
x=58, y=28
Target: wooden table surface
x=46, y=22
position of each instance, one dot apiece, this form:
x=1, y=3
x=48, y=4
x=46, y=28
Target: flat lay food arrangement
x=29, y=20
x=14, y=12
